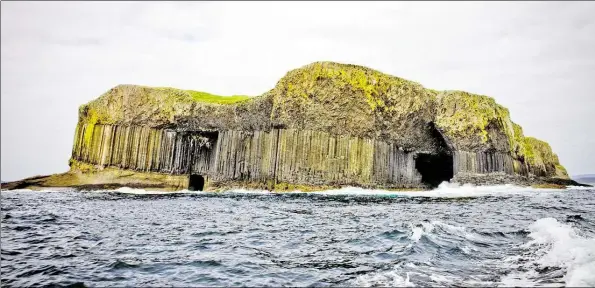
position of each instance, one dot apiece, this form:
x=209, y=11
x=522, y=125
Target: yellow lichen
x=541, y=158
x=92, y=119
x=374, y=85
x=462, y=114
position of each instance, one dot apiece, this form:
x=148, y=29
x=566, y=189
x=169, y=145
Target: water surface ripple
x=461, y=236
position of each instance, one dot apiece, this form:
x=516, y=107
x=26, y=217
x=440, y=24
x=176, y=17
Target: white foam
x=556, y=244
x=386, y=278
x=428, y=228
x=248, y=191
x=443, y=279
x=46, y=189
x=444, y=190
x=18, y=190
x=139, y=191
x=579, y=188
x=418, y=231
x=128, y=190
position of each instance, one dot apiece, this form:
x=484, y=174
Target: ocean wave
x=430, y=227
x=437, y=234
x=554, y=246
x=390, y=278
x=271, y=239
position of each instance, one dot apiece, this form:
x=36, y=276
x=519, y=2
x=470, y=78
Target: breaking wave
x=555, y=249
x=555, y=254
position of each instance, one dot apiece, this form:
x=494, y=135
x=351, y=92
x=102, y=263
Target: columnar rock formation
x=323, y=124
x=281, y=155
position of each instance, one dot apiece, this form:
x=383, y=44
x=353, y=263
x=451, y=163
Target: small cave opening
x=434, y=168
x=196, y=182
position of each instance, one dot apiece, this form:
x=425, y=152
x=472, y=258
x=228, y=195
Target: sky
x=535, y=58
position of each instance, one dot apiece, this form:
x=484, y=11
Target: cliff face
x=324, y=124
x=541, y=160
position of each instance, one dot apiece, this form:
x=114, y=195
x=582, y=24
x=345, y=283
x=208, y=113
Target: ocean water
x=451, y=236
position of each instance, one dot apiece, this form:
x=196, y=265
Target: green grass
x=199, y=96
x=210, y=98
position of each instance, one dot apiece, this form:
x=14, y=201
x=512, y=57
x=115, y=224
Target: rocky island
x=322, y=126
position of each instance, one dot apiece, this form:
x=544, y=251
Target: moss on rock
x=475, y=122
x=518, y=143
x=542, y=160
x=340, y=99
x=170, y=107
x=344, y=99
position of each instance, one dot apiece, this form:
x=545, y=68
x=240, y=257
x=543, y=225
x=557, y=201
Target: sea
x=451, y=236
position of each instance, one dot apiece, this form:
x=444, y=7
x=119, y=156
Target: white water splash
x=139, y=191
x=580, y=188
x=455, y=190
x=555, y=244
x=48, y=189
x=444, y=190
x=428, y=229
x=418, y=231
x=248, y=191
x=388, y=278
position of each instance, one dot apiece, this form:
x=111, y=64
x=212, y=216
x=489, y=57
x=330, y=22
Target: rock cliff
x=323, y=125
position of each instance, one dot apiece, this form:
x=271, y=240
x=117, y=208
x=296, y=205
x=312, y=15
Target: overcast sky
x=536, y=58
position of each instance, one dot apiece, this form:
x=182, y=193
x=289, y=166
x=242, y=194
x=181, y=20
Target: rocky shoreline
x=502, y=178
x=73, y=180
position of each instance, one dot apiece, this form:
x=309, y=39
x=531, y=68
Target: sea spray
x=555, y=245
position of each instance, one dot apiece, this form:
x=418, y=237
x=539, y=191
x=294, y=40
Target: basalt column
x=144, y=149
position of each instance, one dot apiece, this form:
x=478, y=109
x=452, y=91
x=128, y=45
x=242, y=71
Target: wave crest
x=553, y=246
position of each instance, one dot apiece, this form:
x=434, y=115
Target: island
x=324, y=125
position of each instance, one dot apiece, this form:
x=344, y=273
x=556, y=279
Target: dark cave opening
x=434, y=168
x=196, y=182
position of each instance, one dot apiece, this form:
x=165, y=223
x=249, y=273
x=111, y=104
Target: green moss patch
x=216, y=99
x=540, y=157
x=381, y=91
x=464, y=115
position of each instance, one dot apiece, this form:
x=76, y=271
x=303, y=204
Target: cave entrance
x=196, y=182
x=434, y=168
